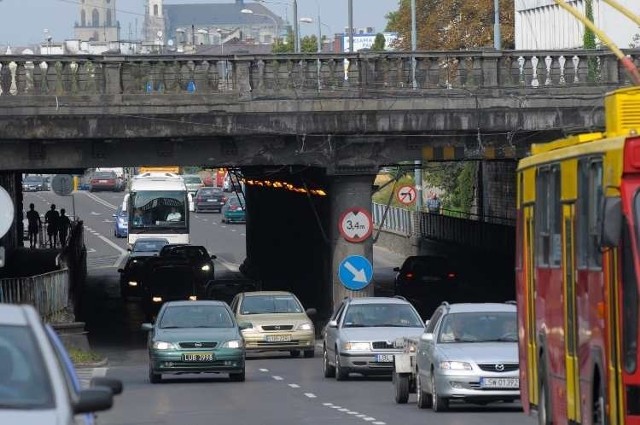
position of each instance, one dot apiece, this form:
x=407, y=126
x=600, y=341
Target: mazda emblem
x=199, y=344
x=499, y=367
x=277, y=327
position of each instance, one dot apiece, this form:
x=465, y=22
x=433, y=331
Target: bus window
x=157, y=209
x=548, y=225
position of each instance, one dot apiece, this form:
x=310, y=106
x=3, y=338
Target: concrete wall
x=499, y=189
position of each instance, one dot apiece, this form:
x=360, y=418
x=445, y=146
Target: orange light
x=409, y=275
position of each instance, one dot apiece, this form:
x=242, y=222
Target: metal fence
x=397, y=219
x=48, y=293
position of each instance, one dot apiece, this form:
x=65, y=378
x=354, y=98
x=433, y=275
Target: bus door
x=572, y=365
x=530, y=302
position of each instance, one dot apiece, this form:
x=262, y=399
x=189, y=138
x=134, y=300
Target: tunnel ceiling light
x=284, y=186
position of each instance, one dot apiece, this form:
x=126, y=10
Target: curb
x=100, y=363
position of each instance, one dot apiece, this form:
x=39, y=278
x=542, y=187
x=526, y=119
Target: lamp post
x=251, y=12
x=497, y=42
x=414, y=44
x=310, y=21
x=296, y=30
x=350, y=26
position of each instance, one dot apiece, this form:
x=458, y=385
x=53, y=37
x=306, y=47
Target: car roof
x=256, y=293
x=12, y=314
x=199, y=302
x=378, y=300
x=481, y=307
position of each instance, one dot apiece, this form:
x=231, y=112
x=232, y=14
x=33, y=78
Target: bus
x=577, y=272
x=165, y=169
x=158, y=207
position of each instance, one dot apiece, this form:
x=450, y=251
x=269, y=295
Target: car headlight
x=305, y=327
x=236, y=343
x=357, y=346
x=455, y=365
x=205, y=268
x=161, y=345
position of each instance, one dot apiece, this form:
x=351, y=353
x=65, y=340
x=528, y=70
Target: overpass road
x=278, y=390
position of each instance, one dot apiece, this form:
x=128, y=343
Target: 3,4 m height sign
x=356, y=225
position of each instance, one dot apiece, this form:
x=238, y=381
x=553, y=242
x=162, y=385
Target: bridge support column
x=347, y=192
x=12, y=183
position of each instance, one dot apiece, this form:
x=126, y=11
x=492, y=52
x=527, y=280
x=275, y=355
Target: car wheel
x=438, y=403
x=309, y=354
x=154, y=378
x=401, y=387
x=329, y=371
x=423, y=399
x=237, y=377
x=294, y=353
x=341, y=374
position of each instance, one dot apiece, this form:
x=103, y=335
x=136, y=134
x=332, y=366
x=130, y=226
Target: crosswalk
x=85, y=374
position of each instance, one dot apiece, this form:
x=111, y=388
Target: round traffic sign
x=356, y=224
x=406, y=195
x=6, y=212
x=355, y=272
x=62, y=184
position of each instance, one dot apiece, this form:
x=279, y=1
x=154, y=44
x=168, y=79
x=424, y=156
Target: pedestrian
x=51, y=219
x=33, y=217
x=433, y=204
x=64, y=224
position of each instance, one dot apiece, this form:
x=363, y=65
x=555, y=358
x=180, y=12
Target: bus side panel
x=524, y=342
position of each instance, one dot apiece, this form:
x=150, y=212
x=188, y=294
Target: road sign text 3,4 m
x=356, y=225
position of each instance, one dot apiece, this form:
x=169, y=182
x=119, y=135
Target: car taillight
x=409, y=276
x=451, y=275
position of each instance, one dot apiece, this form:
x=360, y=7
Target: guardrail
x=48, y=293
x=397, y=219
x=308, y=75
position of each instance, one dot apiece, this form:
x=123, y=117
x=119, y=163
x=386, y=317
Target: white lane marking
x=123, y=252
x=223, y=226
x=243, y=234
x=100, y=200
x=204, y=219
x=95, y=213
x=379, y=423
x=361, y=416
x=277, y=378
x=264, y=370
x=344, y=409
x=215, y=223
x=336, y=407
x=327, y=404
x=233, y=230
x=294, y=385
x=352, y=413
x=369, y=419
x=90, y=250
x=310, y=395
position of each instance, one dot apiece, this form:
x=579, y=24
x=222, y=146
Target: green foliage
x=378, y=43
x=589, y=42
x=83, y=357
x=382, y=196
x=462, y=197
x=309, y=44
x=284, y=46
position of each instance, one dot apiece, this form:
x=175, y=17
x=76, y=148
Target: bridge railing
x=48, y=293
x=307, y=75
x=397, y=219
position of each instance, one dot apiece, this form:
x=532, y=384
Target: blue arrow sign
x=355, y=272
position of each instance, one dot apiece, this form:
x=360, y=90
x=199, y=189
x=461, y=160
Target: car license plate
x=278, y=338
x=102, y=181
x=197, y=357
x=384, y=358
x=500, y=382
x=210, y=200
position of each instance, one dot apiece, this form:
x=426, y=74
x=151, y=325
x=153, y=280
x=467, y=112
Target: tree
x=589, y=42
x=452, y=24
x=635, y=42
x=308, y=44
x=378, y=43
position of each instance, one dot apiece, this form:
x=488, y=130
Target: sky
x=23, y=22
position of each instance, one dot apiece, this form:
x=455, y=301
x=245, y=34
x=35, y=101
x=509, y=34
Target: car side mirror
x=396, y=269
x=93, y=400
x=129, y=249
x=120, y=270
x=115, y=385
x=610, y=228
x=332, y=324
x=245, y=325
x=426, y=322
x=426, y=337
x=311, y=312
x=213, y=257
x=113, y=215
x=146, y=327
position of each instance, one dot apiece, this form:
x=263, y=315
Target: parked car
x=195, y=337
x=233, y=211
x=105, y=180
x=38, y=384
x=278, y=322
x=426, y=281
x=209, y=199
x=199, y=259
x=121, y=223
x=468, y=352
x=132, y=273
x=33, y=184
x=193, y=182
x=360, y=336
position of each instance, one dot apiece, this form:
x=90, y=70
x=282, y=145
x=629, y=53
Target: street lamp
x=296, y=31
x=48, y=37
x=251, y=12
x=181, y=37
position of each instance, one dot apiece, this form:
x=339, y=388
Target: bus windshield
x=158, y=210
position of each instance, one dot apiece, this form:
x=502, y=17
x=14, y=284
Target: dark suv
x=197, y=257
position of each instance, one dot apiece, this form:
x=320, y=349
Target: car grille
x=495, y=367
x=293, y=342
x=202, y=344
x=382, y=345
x=277, y=327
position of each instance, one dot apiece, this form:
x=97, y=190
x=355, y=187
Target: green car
x=195, y=337
x=234, y=211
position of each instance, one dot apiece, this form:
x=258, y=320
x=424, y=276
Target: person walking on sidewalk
x=64, y=224
x=33, y=217
x=51, y=219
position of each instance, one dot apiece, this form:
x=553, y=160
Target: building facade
x=543, y=25
x=97, y=21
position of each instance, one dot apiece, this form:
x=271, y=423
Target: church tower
x=97, y=21
x=154, y=22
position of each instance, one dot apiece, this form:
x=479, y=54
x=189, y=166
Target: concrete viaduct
x=318, y=121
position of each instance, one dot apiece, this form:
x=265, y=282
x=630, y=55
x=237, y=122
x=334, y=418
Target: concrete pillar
x=347, y=192
x=12, y=183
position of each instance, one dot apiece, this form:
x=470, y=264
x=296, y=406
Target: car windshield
x=382, y=315
x=483, y=326
x=24, y=382
x=104, y=175
x=192, y=252
x=152, y=210
x=196, y=316
x=192, y=179
x=266, y=304
x=32, y=179
x=149, y=245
